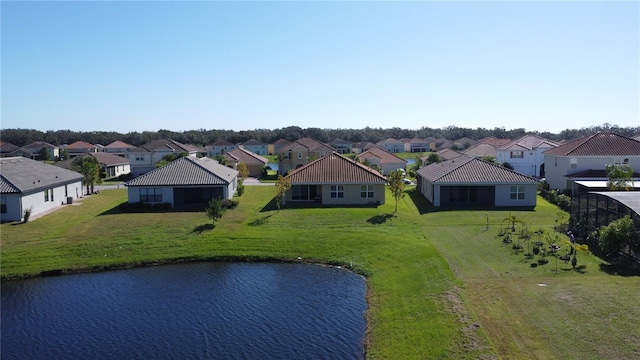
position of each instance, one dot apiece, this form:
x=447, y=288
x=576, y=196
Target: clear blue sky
x=135, y=66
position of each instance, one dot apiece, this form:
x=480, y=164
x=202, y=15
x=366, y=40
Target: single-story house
x=30, y=184
x=387, y=161
x=186, y=183
x=335, y=180
x=254, y=162
x=472, y=182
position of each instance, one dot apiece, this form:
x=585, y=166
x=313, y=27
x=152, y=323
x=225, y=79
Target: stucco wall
x=352, y=195
x=503, y=193
x=556, y=172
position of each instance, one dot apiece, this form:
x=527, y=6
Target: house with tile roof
x=468, y=182
x=342, y=146
x=592, y=152
x=35, y=147
x=481, y=150
x=186, y=183
x=392, y=145
x=360, y=147
x=79, y=148
x=220, y=147
x=254, y=162
x=335, y=180
x=301, y=152
x=144, y=158
x=444, y=154
x=111, y=165
x=525, y=154
x=119, y=148
x=7, y=148
x=385, y=160
x=464, y=143
x=30, y=184
x=439, y=144
x=494, y=141
x=279, y=145
x=418, y=145
x=255, y=146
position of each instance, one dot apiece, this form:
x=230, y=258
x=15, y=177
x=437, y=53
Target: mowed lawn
x=441, y=284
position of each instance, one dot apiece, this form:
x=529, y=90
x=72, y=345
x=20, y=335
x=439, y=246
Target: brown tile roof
x=167, y=144
x=253, y=142
x=335, y=169
x=80, y=145
x=446, y=154
x=247, y=157
x=383, y=155
x=222, y=142
x=308, y=144
x=6, y=147
x=282, y=142
x=110, y=159
x=470, y=170
x=598, y=144
x=528, y=142
x=119, y=144
x=39, y=145
x=186, y=171
x=481, y=150
x=494, y=141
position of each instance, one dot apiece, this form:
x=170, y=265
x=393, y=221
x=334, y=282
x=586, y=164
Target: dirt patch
x=472, y=341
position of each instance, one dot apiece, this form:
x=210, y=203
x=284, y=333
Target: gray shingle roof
x=598, y=144
x=187, y=170
x=23, y=175
x=471, y=170
x=335, y=169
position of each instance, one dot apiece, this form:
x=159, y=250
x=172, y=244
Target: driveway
x=251, y=181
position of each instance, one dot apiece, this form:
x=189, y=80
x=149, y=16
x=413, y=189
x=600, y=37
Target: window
x=573, y=162
x=367, y=192
x=300, y=192
x=3, y=204
x=51, y=196
x=139, y=157
x=46, y=195
x=299, y=155
x=151, y=195
x=337, y=191
x=517, y=155
x=516, y=192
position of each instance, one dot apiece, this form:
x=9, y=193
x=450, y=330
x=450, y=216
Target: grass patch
x=440, y=284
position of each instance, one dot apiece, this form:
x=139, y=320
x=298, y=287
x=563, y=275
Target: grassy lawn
x=441, y=285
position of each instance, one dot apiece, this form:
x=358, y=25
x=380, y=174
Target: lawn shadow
x=630, y=269
x=260, y=220
x=380, y=219
x=421, y=202
x=137, y=208
x=270, y=206
x=582, y=269
x=202, y=228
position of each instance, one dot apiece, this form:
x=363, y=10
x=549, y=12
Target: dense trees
x=89, y=167
x=202, y=137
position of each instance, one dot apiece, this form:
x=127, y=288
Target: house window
x=3, y=204
x=46, y=195
x=299, y=155
x=139, y=157
x=51, y=196
x=337, y=191
x=367, y=192
x=573, y=162
x=517, y=155
x=151, y=195
x=516, y=192
x=300, y=192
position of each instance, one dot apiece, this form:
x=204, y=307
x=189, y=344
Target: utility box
x=69, y=200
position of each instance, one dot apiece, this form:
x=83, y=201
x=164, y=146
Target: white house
x=221, y=147
x=589, y=153
x=186, y=183
x=30, y=184
x=525, y=154
x=255, y=147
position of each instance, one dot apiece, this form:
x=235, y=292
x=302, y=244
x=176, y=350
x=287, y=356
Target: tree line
x=203, y=137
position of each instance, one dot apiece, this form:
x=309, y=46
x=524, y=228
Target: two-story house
x=589, y=154
x=301, y=152
x=525, y=154
x=119, y=148
x=255, y=146
x=144, y=158
x=80, y=148
x=342, y=146
x=392, y=145
x=220, y=147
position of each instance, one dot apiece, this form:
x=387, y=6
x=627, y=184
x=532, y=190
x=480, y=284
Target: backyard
x=441, y=284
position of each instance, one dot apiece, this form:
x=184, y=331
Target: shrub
x=27, y=214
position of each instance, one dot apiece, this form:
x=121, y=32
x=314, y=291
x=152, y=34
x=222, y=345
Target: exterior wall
x=294, y=162
x=134, y=194
x=256, y=149
x=16, y=204
x=558, y=167
x=528, y=165
x=503, y=196
x=426, y=188
x=118, y=150
x=255, y=170
x=53, y=152
x=14, y=208
x=117, y=170
x=393, y=147
x=352, y=195
x=219, y=149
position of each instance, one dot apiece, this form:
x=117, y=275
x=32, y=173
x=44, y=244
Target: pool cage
x=590, y=211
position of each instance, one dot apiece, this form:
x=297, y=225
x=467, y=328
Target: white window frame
x=516, y=155
x=367, y=191
x=337, y=191
x=152, y=195
x=516, y=192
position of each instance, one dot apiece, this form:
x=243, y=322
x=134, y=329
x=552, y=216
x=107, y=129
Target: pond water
x=194, y=311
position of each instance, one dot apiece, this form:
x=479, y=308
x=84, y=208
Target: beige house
x=254, y=162
x=387, y=161
x=335, y=180
x=301, y=152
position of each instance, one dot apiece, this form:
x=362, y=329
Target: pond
x=195, y=311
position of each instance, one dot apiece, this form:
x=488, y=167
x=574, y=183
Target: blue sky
x=136, y=66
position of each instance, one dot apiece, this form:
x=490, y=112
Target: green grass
x=440, y=284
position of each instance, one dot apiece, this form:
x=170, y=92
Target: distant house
x=363, y=146
x=35, y=148
x=279, y=145
x=30, y=184
x=525, y=154
x=463, y=143
x=387, y=161
x=255, y=146
x=220, y=147
x=493, y=141
x=186, y=183
x=418, y=145
x=254, y=162
x=79, y=148
x=342, y=146
x=119, y=148
x=301, y=152
x=444, y=154
x=111, y=165
x=335, y=180
x=392, y=145
x=7, y=148
x=481, y=150
x=468, y=182
x=439, y=144
x=593, y=152
x=144, y=158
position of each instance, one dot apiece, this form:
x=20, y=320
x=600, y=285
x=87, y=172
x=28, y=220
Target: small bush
x=240, y=190
x=27, y=214
x=230, y=204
